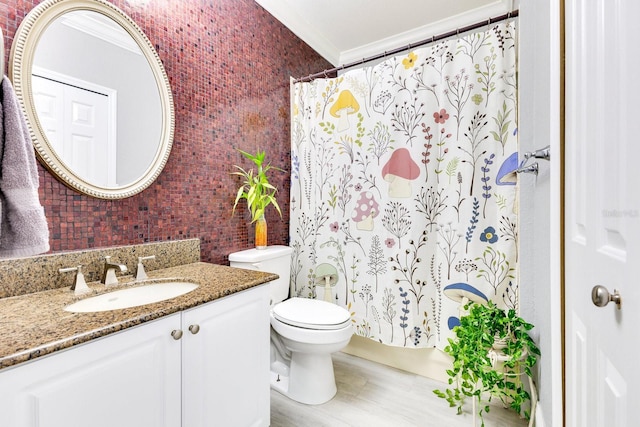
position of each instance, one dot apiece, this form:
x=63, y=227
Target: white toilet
x=304, y=332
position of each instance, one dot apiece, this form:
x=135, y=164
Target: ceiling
x=345, y=31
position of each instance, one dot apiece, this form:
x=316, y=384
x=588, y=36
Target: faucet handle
x=141, y=274
x=79, y=286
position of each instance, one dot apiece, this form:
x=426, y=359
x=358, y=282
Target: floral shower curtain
x=403, y=194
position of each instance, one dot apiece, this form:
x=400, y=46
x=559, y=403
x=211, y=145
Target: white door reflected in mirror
x=78, y=121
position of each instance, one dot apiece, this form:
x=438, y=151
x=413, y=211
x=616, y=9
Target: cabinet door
x=129, y=379
x=226, y=364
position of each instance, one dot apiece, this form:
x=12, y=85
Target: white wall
x=539, y=125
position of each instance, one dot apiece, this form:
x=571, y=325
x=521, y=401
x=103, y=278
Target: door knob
x=176, y=334
x=601, y=296
x=194, y=329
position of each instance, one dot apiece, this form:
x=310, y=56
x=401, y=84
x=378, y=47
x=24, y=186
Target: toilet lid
x=311, y=314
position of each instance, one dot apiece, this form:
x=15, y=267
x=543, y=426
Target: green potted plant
x=258, y=192
x=491, y=351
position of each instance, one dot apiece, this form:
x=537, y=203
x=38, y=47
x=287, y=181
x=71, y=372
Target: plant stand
x=498, y=357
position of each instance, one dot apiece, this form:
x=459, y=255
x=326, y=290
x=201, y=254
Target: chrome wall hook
x=532, y=168
x=543, y=153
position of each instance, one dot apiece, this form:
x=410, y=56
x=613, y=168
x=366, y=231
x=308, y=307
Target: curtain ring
x=363, y=61
x=457, y=32
x=409, y=46
x=433, y=39
x=325, y=74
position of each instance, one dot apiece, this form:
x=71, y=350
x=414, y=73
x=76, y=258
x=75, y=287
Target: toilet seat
x=311, y=314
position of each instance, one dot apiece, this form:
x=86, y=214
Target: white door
x=602, y=201
x=77, y=123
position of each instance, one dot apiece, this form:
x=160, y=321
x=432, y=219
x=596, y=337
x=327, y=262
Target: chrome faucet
x=109, y=273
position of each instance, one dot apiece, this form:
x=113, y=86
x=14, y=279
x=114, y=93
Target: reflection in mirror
x=101, y=115
x=96, y=96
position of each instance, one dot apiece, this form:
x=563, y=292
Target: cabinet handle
x=194, y=329
x=176, y=334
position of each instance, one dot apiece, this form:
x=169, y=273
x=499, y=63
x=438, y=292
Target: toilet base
x=280, y=382
x=310, y=381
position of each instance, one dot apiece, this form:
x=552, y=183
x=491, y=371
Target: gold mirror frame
x=21, y=60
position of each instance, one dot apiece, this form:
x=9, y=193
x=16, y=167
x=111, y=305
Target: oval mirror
x=96, y=96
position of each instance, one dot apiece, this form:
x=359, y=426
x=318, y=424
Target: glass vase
x=261, y=233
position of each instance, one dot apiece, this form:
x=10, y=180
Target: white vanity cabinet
x=215, y=374
x=225, y=377
x=131, y=378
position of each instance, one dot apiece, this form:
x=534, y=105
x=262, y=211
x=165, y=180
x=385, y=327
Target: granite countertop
x=36, y=324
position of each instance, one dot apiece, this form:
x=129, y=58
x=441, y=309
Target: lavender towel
x=23, y=225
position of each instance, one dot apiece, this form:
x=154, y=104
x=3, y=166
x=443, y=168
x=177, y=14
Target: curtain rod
x=433, y=39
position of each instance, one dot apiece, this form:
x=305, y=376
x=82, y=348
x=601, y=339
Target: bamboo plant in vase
x=258, y=193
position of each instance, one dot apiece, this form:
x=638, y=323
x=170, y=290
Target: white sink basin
x=132, y=297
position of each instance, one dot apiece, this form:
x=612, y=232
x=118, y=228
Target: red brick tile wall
x=229, y=64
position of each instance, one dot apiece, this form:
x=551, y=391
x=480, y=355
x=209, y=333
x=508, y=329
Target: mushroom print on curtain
x=403, y=194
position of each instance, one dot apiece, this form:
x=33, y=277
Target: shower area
x=404, y=191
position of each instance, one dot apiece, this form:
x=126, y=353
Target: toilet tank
x=272, y=259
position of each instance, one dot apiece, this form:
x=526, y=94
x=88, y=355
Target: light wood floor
x=374, y=395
